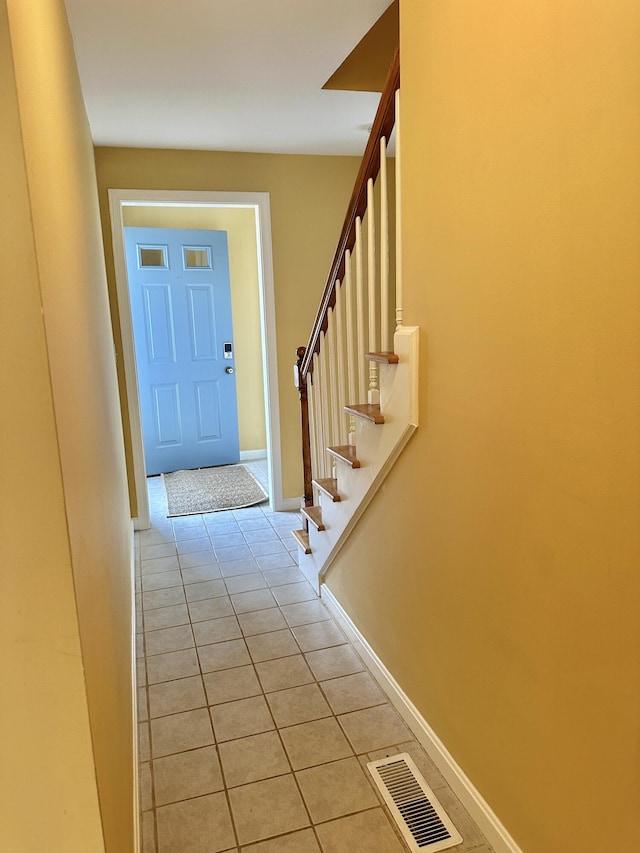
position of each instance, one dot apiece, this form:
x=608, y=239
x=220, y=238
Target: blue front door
x=183, y=336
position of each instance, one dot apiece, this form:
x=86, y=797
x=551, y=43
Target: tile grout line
x=152, y=781
x=266, y=703
x=226, y=787
x=264, y=693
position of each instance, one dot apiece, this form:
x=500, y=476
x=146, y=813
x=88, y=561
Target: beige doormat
x=211, y=490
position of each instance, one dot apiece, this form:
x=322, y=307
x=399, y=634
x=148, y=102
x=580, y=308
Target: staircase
x=358, y=394
x=339, y=501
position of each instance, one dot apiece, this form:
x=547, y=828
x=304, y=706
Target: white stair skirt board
x=473, y=801
x=377, y=447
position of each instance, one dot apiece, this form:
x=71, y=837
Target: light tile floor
x=256, y=716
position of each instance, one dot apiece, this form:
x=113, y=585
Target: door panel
x=166, y=413
x=202, y=322
x=158, y=328
x=181, y=312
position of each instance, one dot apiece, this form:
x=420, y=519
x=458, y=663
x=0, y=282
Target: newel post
x=306, y=435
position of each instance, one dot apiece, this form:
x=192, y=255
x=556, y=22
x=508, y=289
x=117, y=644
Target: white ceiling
x=232, y=75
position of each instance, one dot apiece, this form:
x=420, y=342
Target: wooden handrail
x=382, y=126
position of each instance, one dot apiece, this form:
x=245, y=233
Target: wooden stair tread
x=302, y=538
x=330, y=487
x=368, y=411
x=346, y=453
x=314, y=515
x=382, y=357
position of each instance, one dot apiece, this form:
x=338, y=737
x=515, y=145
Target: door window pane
x=152, y=256
x=197, y=257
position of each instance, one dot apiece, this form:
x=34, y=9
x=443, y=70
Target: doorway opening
x=126, y=207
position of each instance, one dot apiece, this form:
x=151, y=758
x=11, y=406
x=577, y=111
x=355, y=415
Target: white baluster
x=398, y=219
x=384, y=249
x=317, y=399
x=374, y=393
x=350, y=342
x=360, y=342
x=340, y=363
x=313, y=437
x=334, y=397
x=325, y=405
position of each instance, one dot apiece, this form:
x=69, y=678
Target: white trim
x=142, y=521
x=250, y=455
x=290, y=505
x=137, y=829
x=118, y=198
x=480, y=811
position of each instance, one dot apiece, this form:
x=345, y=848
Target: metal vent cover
x=421, y=819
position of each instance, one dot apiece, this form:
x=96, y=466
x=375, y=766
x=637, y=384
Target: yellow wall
x=66, y=595
x=496, y=574
x=309, y=197
x=240, y=225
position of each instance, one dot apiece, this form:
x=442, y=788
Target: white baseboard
x=289, y=505
x=137, y=829
x=250, y=455
x=473, y=801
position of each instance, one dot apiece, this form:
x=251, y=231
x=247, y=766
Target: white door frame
x=259, y=202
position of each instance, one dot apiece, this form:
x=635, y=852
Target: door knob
x=228, y=370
